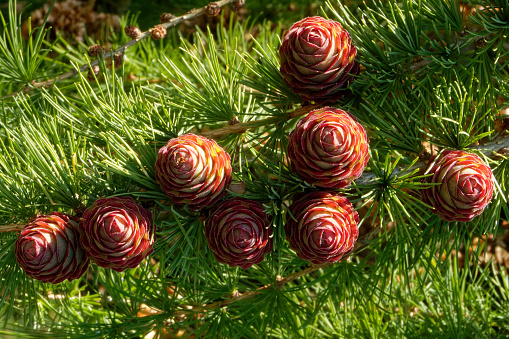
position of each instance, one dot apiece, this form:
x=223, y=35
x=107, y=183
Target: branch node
x=158, y=32
x=133, y=32
x=166, y=17
x=212, y=9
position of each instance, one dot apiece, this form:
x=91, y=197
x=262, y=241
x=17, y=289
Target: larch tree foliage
x=181, y=186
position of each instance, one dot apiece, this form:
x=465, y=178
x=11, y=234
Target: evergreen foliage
x=426, y=83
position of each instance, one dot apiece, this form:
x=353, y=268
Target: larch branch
x=242, y=127
x=497, y=146
x=360, y=244
x=12, y=228
x=173, y=22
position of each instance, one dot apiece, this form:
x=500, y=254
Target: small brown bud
x=503, y=151
x=118, y=59
x=234, y=121
x=237, y=5
x=463, y=32
x=95, y=50
x=93, y=73
x=166, y=17
x=480, y=43
x=132, y=31
x=158, y=32
x=212, y=9
x=424, y=155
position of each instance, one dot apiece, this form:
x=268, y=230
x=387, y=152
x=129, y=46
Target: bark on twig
x=242, y=127
x=12, y=228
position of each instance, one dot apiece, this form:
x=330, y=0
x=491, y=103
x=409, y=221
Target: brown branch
x=498, y=146
x=173, y=22
x=242, y=127
x=360, y=244
x=12, y=228
x=419, y=64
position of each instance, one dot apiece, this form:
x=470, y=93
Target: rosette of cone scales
x=117, y=233
x=49, y=249
x=465, y=185
x=323, y=227
x=193, y=170
x=328, y=148
x=239, y=232
x=318, y=59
